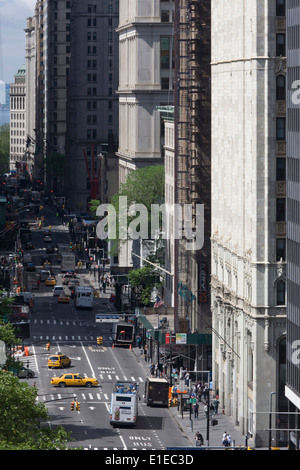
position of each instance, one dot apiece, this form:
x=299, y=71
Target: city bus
x=124, y=404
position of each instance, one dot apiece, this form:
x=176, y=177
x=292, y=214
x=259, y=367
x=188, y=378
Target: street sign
x=107, y=318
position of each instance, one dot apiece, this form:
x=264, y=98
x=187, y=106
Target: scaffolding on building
x=192, y=150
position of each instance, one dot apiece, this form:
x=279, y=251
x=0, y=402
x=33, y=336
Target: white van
x=84, y=297
x=57, y=290
x=45, y=273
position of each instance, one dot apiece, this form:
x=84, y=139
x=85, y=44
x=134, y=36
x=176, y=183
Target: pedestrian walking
x=216, y=405
x=224, y=439
x=199, y=439
x=196, y=410
x=187, y=379
x=38, y=283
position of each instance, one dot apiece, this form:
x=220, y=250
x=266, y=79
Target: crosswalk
x=64, y=323
x=91, y=338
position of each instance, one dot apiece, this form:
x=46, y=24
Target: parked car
x=25, y=373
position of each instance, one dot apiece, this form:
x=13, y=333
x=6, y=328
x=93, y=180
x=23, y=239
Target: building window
x=165, y=16
x=280, y=7
x=165, y=83
x=280, y=293
x=280, y=169
x=280, y=87
x=280, y=249
x=280, y=45
x=165, y=52
x=280, y=209
x=280, y=128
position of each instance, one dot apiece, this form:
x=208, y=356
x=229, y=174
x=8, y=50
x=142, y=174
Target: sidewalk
x=190, y=426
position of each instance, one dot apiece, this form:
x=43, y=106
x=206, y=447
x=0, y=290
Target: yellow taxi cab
x=47, y=265
x=63, y=299
x=73, y=380
x=59, y=360
x=50, y=281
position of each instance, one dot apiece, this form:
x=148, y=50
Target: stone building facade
x=248, y=213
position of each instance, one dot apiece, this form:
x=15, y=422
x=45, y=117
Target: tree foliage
x=22, y=418
x=143, y=186
x=142, y=281
x=4, y=148
x=93, y=204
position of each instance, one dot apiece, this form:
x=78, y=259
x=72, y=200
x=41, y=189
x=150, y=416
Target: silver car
x=25, y=373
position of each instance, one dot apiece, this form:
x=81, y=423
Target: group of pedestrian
x=154, y=370
x=226, y=440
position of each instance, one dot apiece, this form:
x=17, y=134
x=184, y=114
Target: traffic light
x=48, y=346
x=77, y=406
x=99, y=340
x=72, y=406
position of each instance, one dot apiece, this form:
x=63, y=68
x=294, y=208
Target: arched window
x=280, y=87
x=280, y=293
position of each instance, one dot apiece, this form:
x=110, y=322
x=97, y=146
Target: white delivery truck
x=124, y=404
x=67, y=262
x=84, y=297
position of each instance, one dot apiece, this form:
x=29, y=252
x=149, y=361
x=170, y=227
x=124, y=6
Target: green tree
x=4, y=148
x=23, y=418
x=144, y=186
x=142, y=281
x=93, y=204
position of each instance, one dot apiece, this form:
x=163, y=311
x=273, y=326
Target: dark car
x=30, y=267
x=50, y=249
x=29, y=246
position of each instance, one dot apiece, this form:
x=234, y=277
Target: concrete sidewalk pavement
x=190, y=425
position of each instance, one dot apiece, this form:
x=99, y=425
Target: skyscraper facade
x=249, y=214
x=92, y=103
x=292, y=387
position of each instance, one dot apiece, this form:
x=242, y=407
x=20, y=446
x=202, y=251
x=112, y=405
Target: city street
x=74, y=333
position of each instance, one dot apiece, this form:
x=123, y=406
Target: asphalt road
x=74, y=333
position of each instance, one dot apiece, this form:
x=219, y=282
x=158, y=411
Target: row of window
x=280, y=162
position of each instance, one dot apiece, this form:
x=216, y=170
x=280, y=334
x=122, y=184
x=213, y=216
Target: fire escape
x=192, y=148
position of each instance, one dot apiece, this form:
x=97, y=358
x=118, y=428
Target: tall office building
x=93, y=119
x=146, y=44
x=248, y=214
x=76, y=131
x=146, y=80
x=19, y=159
x=292, y=388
